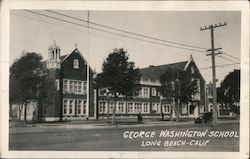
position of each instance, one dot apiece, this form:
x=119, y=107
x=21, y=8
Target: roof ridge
x=152, y=66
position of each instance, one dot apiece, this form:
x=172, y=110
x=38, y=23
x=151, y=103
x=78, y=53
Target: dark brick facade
x=60, y=69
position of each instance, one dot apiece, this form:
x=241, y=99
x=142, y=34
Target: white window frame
x=65, y=106
x=65, y=85
x=76, y=64
x=192, y=69
x=166, y=108
x=102, y=107
x=82, y=107
x=74, y=86
x=146, y=92
x=73, y=107
x=120, y=107
x=130, y=107
x=153, y=92
x=156, y=107
x=145, y=108
x=68, y=107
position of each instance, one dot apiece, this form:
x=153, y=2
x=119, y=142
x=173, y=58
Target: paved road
x=111, y=139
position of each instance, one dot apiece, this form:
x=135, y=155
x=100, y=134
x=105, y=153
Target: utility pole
x=212, y=50
x=88, y=97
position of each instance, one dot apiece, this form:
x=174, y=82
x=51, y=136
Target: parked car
x=206, y=117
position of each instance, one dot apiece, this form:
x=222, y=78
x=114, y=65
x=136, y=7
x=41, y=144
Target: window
x=111, y=106
x=68, y=106
x=146, y=92
x=84, y=107
x=65, y=106
x=102, y=107
x=81, y=107
x=130, y=107
x=140, y=93
x=120, y=107
x=192, y=70
x=153, y=92
x=74, y=86
x=84, y=87
x=156, y=107
x=65, y=85
x=79, y=87
x=145, y=108
x=57, y=84
x=166, y=108
x=71, y=86
x=138, y=107
x=71, y=107
x=76, y=64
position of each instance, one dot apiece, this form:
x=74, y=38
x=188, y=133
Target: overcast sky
x=34, y=33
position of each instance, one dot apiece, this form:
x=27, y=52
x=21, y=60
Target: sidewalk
x=100, y=124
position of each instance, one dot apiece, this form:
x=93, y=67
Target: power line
x=97, y=29
x=128, y=32
x=230, y=64
x=226, y=59
x=231, y=56
x=96, y=34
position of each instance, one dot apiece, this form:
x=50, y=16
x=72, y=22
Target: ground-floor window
x=121, y=107
x=132, y=107
x=81, y=107
x=102, y=107
x=68, y=106
x=156, y=107
x=110, y=107
x=73, y=107
x=166, y=108
x=146, y=108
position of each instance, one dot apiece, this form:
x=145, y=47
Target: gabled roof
x=154, y=72
x=64, y=57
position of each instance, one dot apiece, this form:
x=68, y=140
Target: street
x=115, y=138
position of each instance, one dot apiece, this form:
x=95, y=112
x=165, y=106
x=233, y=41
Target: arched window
x=192, y=70
x=76, y=64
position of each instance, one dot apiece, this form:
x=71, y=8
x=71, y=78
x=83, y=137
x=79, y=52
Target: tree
x=178, y=85
x=26, y=76
x=118, y=75
x=229, y=91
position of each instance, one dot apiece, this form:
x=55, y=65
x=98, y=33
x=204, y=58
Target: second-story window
x=146, y=92
x=153, y=91
x=74, y=86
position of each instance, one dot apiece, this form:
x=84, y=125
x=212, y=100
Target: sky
x=34, y=33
